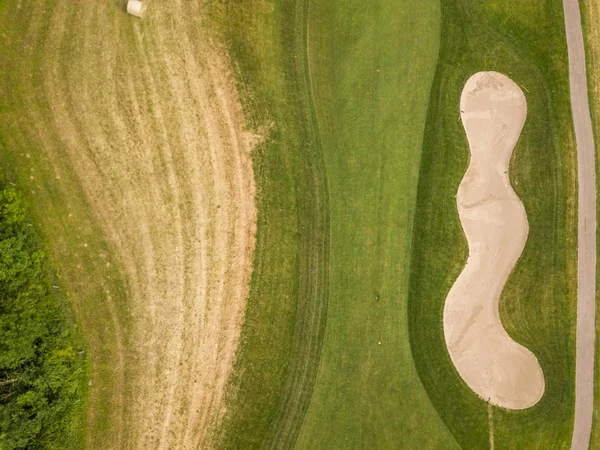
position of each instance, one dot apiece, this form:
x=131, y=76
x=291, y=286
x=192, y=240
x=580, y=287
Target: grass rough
x=285, y=316
x=526, y=41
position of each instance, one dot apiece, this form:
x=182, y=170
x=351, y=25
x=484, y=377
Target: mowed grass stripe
x=313, y=277
x=526, y=41
x=372, y=66
x=286, y=310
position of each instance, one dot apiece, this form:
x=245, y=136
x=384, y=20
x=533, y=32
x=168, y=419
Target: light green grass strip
x=372, y=65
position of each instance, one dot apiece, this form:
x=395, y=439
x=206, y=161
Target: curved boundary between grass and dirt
x=281, y=340
x=586, y=274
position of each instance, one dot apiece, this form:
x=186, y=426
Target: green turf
x=526, y=41
x=281, y=337
x=372, y=66
x=336, y=200
x=372, y=148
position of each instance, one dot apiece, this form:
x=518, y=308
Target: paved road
x=586, y=283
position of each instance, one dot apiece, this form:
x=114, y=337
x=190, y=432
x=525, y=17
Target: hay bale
x=136, y=8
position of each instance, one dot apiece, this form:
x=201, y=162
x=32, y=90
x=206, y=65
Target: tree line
x=42, y=370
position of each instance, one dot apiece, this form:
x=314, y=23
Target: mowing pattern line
x=312, y=299
x=586, y=259
x=147, y=115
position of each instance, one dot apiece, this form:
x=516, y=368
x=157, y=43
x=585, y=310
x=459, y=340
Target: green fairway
x=526, y=42
x=372, y=66
x=370, y=126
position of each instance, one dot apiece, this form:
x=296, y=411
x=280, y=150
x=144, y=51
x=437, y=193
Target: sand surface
x=494, y=366
x=586, y=236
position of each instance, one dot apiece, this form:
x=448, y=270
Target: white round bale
x=136, y=8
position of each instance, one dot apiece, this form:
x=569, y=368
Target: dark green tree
x=40, y=371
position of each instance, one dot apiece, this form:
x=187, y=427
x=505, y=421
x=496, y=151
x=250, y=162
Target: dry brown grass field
x=142, y=120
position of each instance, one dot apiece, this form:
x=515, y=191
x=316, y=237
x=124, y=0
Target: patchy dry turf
x=147, y=115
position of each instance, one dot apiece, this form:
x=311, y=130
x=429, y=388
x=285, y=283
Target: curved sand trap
x=498, y=369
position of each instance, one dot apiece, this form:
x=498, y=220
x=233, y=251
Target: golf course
x=299, y=224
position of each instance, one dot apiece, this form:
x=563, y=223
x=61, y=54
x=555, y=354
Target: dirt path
x=586, y=169
x=148, y=116
x=498, y=369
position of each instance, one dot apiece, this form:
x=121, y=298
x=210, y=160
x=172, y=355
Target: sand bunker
x=498, y=369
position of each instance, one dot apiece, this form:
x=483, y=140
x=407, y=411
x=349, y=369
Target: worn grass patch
x=127, y=138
